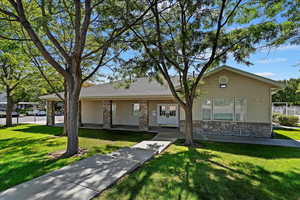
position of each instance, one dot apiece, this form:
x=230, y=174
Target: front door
x=167, y=114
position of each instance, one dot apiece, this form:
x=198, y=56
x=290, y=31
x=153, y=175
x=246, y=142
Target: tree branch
x=119, y=31
x=51, y=36
x=214, y=48
x=20, y=10
x=14, y=39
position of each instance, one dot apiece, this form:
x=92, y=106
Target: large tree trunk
x=188, y=125
x=65, y=133
x=73, y=91
x=9, y=108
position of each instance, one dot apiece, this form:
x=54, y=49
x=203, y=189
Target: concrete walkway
x=86, y=178
x=251, y=140
x=172, y=136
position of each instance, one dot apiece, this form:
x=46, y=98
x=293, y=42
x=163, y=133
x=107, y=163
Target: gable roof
x=147, y=88
x=141, y=87
x=274, y=83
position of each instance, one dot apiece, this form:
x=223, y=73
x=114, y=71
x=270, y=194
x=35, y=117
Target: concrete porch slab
x=48, y=188
x=167, y=136
x=157, y=146
x=137, y=154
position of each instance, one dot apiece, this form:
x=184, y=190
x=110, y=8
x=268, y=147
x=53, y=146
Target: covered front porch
x=125, y=114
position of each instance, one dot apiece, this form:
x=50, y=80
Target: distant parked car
x=3, y=114
x=59, y=113
x=15, y=114
x=31, y=112
x=36, y=113
x=41, y=113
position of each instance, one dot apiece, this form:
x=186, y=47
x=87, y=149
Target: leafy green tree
x=15, y=70
x=289, y=93
x=186, y=38
x=73, y=37
x=286, y=13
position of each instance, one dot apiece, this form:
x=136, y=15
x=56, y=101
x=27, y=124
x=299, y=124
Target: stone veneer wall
x=227, y=128
x=144, y=116
x=107, y=114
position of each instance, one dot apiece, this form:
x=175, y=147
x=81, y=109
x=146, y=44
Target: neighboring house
x=231, y=102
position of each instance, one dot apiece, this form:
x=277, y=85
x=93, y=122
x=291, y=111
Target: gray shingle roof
x=147, y=88
x=141, y=87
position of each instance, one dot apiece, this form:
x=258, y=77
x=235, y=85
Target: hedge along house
x=231, y=102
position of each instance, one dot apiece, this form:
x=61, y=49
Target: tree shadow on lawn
x=113, y=135
x=287, y=129
x=22, y=159
x=279, y=133
x=194, y=174
x=27, y=143
x=253, y=150
x=281, y=136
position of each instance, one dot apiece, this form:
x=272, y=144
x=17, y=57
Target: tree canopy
x=184, y=39
x=290, y=93
x=75, y=37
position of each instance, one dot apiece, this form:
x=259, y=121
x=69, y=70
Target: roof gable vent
x=223, y=81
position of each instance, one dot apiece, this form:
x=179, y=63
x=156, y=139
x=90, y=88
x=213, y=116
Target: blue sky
x=277, y=63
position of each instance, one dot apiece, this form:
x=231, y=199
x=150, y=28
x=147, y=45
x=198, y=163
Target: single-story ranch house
x=231, y=102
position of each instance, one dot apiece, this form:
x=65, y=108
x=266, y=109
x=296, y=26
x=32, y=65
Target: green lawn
x=24, y=149
x=287, y=134
x=215, y=171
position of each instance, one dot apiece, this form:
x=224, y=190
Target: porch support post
x=50, y=113
x=107, y=114
x=144, y=116
x=79, y=114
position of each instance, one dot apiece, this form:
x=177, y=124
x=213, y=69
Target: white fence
x=33, y=120
x=286, y=109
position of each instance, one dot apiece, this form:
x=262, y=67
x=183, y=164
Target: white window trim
x=234, y=111
x=246, y=110
x=135, y=113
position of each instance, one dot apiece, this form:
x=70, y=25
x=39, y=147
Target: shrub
x=287, y=120
x=275, y=117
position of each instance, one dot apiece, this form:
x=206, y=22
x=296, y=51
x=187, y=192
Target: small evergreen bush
x=287, y=120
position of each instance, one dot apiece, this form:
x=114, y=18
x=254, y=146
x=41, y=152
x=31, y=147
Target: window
x=223, y=109
x=162, y=110
x=136, y=109
x=240, y=109
x=207, y=109
x=172, y=111
x=114, y=109
x=229, y=109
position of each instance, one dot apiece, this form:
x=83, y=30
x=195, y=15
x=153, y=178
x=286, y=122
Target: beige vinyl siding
x=123, y=115
x=257, y=94
x=92, y=112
